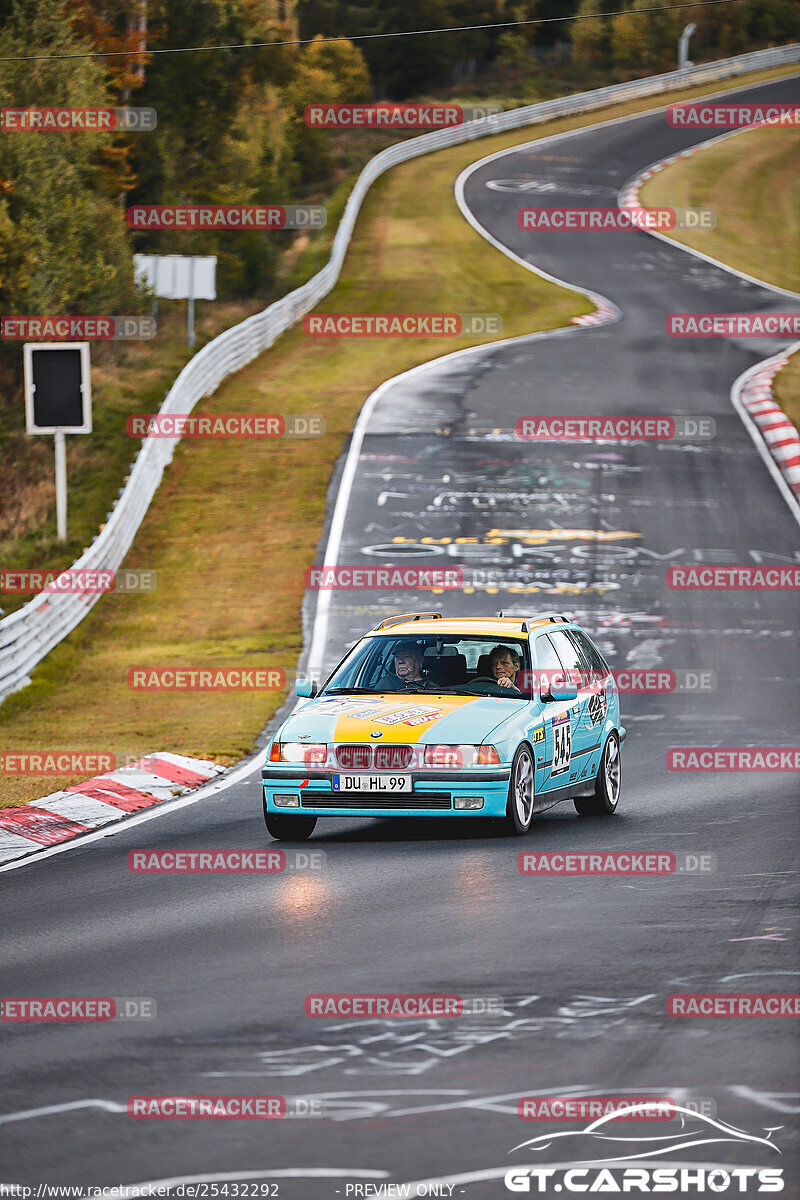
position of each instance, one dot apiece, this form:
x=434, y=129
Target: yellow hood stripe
x=401, y=719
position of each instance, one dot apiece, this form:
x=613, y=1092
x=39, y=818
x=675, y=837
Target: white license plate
x=372, y=783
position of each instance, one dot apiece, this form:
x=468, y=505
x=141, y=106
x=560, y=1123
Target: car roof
x=421, y=624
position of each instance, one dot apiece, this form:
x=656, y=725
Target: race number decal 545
x=562, y=744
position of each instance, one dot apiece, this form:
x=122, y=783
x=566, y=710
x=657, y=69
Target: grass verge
x=235, y=523
x=752, y=181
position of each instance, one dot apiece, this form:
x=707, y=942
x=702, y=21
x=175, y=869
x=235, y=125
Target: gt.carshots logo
x=646, y=1180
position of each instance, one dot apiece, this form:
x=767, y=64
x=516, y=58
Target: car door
x=554, y=749
x=603, y=695
x=583, y=707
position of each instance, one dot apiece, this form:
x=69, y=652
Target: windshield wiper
x=351, y=691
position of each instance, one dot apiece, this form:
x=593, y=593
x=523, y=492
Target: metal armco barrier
x=28, y=635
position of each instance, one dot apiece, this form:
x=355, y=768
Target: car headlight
x=460, y=756
x=310, y=754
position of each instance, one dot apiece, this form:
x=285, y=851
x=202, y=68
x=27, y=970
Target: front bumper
x=434, y=794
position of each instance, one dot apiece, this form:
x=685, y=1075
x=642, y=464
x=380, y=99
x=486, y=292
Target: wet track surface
x=584, y=965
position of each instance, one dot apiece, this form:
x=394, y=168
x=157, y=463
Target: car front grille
x=356, y=800
x=379, y=758
x=354, y=758
x=392, y=758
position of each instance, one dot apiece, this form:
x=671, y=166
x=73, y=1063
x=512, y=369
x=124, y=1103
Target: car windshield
x=464, y=665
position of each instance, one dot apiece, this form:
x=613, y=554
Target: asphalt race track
x=584, y=966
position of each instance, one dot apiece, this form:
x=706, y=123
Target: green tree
x=644, y=39
x=64, y=246
x=591, y=36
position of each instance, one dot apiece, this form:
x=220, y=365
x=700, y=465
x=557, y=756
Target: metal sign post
x=58, y=400
x=179, y=277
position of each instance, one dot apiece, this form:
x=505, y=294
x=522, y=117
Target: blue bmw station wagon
x=430, y=716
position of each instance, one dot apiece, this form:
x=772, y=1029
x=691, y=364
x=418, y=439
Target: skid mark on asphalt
x=419, y=1046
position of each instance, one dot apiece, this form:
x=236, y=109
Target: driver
x=504, y=665
x=407, y=674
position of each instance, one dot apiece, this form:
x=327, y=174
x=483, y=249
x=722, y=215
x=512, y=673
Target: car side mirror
x=306, y=687
x=562, y=692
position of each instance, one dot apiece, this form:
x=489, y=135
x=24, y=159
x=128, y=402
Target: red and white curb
x=85, y=806
x=602, y=315
x=778, y=432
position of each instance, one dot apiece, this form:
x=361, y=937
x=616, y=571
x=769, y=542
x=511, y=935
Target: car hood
x=389, y=718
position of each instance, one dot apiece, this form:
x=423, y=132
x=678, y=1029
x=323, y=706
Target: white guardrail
x=28, y=635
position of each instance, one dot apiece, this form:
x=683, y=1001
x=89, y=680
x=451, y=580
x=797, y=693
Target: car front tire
x=607, y=786
x=289, y=827
x=521, y=793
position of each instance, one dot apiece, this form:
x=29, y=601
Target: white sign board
x=178, y=276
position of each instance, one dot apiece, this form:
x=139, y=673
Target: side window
x=590, y=652
x=571, y=657
x=548, y=665
x=546, y=657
